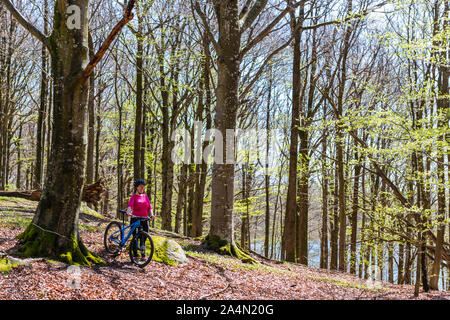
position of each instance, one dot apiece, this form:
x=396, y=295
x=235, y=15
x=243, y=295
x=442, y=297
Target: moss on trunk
x=36, y=242
x=224, y=247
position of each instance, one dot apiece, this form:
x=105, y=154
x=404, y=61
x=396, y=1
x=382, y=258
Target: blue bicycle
x=141, y=246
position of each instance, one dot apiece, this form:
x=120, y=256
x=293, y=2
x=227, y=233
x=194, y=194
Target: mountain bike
x=141, y=247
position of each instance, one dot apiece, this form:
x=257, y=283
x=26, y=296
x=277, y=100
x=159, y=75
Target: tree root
x=37, y=242
x=226, y=248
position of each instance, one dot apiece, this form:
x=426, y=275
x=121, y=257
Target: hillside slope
x=206, y=276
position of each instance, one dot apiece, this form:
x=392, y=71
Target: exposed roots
x=36, y=242
x=224, y=247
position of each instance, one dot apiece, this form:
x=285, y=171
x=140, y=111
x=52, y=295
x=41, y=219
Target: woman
x=139, y=207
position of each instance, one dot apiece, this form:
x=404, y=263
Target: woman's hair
x=137, y=183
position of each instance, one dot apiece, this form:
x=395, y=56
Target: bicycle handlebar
x=143, y=218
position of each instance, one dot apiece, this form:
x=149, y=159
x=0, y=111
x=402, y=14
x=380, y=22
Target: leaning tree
x=54, y=228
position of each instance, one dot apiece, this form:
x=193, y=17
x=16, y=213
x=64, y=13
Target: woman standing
x=139, y=207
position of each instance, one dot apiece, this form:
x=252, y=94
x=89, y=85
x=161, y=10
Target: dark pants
x=144, y=225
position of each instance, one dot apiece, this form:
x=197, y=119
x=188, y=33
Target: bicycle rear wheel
x=113, y=238
x=141, y=249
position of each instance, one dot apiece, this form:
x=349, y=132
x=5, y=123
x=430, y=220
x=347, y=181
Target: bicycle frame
x=132, y=227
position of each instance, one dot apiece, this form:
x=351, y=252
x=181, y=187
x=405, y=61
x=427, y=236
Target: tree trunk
x=290, y=230
x=443, y=105
x=334, y=225
x=303, y=201
x=354, y=215
x=324, y=228
x=267, y=175
x=120, y=204
x=19, y=160
x=54, y=230
x=167, y=147
x=91, y=119
x=221, y=235
x=138, y=126
x=43, y=106
x=340, y=146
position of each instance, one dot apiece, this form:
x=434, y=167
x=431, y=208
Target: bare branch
x=205, y=24
x=358, y=15
x=127, y=17
x=245, y=9
x=267, y=29
x=252, y=14
x=27, y=25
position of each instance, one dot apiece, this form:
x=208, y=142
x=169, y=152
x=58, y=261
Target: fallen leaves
x=206, y=276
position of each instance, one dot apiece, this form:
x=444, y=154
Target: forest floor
x=206, y=276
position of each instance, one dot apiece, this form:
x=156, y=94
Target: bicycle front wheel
x=113, y=238
x=141, y=249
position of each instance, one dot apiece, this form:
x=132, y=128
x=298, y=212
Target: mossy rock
x=168, y=251
x=84, y=209
x=6, y=266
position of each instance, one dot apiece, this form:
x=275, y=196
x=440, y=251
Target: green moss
x=165, y=250
x=160, y=253
x=77, y=254
x=89, y=228
x=347, y=284
x=6, y=266
x=36, y=242
x=88, y=211
x=234, y=264
x=224, y=247
x=13, y=218
x=51, y=261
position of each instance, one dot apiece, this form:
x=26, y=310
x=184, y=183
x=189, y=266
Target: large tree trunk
x=222, y=219
x=54, y=229
x=289, y=232
x=221, y=236
x=138, y=126
x=167, y=147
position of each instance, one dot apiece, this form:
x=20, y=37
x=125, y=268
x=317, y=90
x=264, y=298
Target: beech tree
x=54, y=229
x=232, y=22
